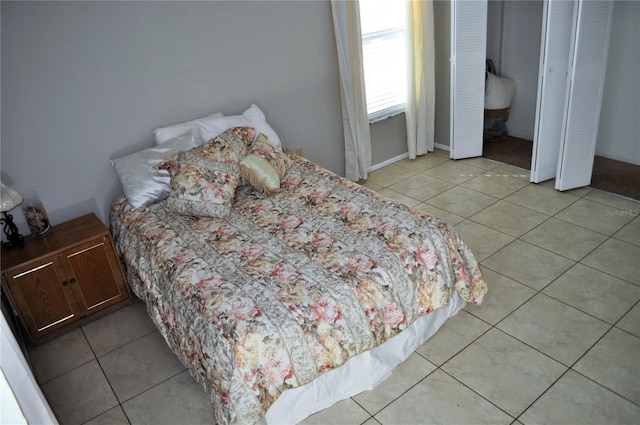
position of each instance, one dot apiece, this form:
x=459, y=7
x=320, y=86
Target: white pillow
x=161, y=135
x=142, y=183
x=498, y=92
x=252, y=117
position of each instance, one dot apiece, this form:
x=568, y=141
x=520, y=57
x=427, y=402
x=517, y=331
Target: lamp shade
x=9, y=198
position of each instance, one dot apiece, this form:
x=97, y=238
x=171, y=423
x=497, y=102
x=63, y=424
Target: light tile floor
x=557, y=340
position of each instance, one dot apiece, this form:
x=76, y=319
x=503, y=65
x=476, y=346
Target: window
x=383, y=24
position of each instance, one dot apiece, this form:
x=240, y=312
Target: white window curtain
x=420, y=106
x=346, y=23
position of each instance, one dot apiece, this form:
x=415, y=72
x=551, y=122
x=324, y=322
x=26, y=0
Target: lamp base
x=14, y=238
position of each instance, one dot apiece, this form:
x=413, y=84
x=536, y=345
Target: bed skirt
x=361, y=373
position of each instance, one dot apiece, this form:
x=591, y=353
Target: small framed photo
x=37, y=219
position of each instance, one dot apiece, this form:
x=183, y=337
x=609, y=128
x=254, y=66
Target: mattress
x=290, y=286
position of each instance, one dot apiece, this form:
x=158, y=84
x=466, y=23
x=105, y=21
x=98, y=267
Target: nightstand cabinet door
x=94, y=275
x=66, y=279
x=42, y=293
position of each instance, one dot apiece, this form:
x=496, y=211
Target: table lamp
x=9, y=199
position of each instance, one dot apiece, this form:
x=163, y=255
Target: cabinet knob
x=72, y=280
x=64, y=283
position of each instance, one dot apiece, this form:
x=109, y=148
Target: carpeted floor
x=613, y=176
x=616, y=177
x=512, y=151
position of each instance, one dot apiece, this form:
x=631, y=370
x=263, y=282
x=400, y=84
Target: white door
x=468, y=56
x=587, y=72
x=558, y=23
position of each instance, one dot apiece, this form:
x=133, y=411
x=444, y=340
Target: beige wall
x=388, y=139
x=85, y=82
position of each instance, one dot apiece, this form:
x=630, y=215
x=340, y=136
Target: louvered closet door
x=558, y=23
x=468, y=55
x=585, y=94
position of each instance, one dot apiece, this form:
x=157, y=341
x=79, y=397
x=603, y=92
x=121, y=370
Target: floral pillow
x=199, y=186
x=204, y=179
x=229, y=147
x=265, y=165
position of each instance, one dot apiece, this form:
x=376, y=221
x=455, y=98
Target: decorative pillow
x=253, y=117
x=143, y=184
x=230, y=146
x=199, y=186
x=265, y=165
x=163, y=134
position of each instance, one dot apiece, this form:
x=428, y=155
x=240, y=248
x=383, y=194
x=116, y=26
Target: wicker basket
x=495, y=125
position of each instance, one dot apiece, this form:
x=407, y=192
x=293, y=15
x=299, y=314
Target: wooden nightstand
x=67, y=278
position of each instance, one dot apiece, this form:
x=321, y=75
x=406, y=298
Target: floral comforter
x=288, y=286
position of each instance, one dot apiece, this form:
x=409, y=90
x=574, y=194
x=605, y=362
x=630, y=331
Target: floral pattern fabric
x=204, y=179
x=265, y=165
x=272, y=154
x=230, y=146
x=201, y=187
x=288, y=286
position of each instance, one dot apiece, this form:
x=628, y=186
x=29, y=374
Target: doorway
x=514, y=32
x=513, y=45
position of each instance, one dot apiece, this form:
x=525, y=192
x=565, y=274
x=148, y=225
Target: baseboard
x=443, y=147
x=607, y=155
x=388, y=162
x=400, y=158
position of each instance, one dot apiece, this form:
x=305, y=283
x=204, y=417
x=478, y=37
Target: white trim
x=442, y=147
x=388, y=162
x=405, y=155
x=615, y=157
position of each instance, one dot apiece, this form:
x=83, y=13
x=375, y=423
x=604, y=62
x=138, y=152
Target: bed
x=293, y=297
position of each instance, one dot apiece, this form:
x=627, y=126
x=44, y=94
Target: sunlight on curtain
x=420, y=106
x=346, y=23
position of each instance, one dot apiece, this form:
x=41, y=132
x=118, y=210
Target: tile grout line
x=104, y=374
x=491, y=326
x=538, y=291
